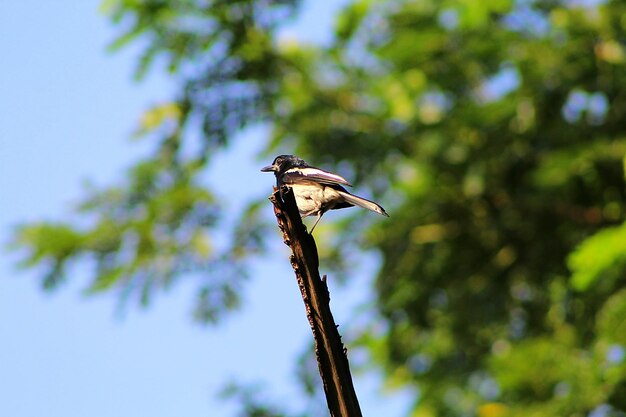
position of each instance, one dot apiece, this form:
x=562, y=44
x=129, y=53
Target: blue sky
x=67, y=111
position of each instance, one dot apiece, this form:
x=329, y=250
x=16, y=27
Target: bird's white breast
x=311, y=198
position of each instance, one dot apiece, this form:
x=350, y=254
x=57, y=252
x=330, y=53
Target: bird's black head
x=284, y=162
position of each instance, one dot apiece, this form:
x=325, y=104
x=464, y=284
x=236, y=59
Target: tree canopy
x=492, y=132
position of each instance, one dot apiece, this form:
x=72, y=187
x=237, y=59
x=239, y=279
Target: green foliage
x=599, y=257
x=157, y=226
x=500, y=149
x=52, y=244
x=141, y=238
x=493, y=132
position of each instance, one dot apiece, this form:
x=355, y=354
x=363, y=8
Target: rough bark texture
x=331, y=354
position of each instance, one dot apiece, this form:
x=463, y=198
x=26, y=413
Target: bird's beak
x=269, y=168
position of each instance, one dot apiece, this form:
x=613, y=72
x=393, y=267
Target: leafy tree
x=493, y=132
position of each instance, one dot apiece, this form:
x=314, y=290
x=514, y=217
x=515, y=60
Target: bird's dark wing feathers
x=300, y=175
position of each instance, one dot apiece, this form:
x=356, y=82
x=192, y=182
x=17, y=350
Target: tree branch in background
x=331, y=355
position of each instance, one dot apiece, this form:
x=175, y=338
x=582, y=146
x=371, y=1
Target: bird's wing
x=311, y=174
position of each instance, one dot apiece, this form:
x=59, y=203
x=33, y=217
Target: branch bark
x=331, y=355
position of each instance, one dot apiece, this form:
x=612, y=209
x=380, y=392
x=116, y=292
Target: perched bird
x=316, y=191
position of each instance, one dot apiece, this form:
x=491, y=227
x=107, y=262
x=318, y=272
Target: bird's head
x=284, y=162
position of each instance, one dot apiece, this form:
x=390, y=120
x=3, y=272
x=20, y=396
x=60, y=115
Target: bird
x=316, y=191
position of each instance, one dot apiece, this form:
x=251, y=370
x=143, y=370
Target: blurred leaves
x=139, y=238
x=350, y=19
x=600, y=256
x=158, y=116
x=159, y=224
x=495, y=136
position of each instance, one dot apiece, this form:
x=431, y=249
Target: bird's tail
x=362, y=202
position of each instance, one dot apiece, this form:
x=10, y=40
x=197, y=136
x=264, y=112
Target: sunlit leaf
x=602, y=254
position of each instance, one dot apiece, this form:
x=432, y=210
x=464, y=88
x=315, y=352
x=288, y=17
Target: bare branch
x=331, y=354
